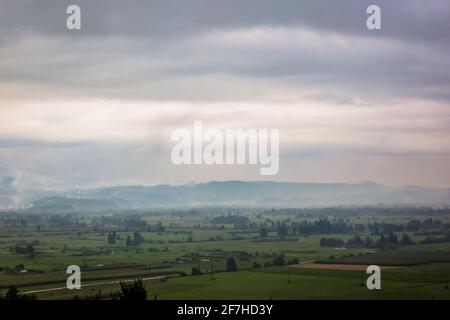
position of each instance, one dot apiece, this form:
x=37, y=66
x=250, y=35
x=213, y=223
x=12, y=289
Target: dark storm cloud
x=405, y=19
x=156, y=49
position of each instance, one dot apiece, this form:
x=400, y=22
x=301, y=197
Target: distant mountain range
x=237, y=193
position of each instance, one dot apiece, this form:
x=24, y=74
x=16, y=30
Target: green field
x=173, y=246
x=404, y=283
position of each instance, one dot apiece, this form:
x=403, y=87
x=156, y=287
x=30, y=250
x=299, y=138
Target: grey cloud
x=154, y=50
x=413, y=19
x=216, y=66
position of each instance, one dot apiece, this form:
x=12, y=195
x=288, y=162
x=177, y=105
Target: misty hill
x=281, y=194
x=64, y=204
x=237, y=193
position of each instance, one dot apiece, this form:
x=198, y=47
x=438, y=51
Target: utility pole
x=212, y=271
x=289, y=275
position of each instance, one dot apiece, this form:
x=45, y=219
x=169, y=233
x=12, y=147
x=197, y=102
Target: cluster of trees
x=356, y=211
x=24, y=248
x=282, y=232
x=232, y=219
x=113, y=237
x=321, y=226
x=278, y=260
x=416, y=225
x=134, y=291
x=411, y=226
x=263, y=233
x=384, y=242
x=341, y=226
x=231, y=265
x=378, y=228
x=137, y=239
x=13, y=295
x=130, y=222
x=196, y=271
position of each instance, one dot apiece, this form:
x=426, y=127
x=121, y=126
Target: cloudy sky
x=97, y=106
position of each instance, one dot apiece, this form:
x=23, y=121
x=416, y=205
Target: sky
x=97, y=106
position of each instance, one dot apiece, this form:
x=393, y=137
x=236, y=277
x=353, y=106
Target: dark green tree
x=13, y=294
x=278, y=260
x=129, y=242
x=282, y=232
x=111, y=238
x=406, y=240
x=137, y=238
x=133, y=291
x=231, y=265
x=263, y=233
x=196, y=271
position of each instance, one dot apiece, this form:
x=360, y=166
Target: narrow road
x=92, y=284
